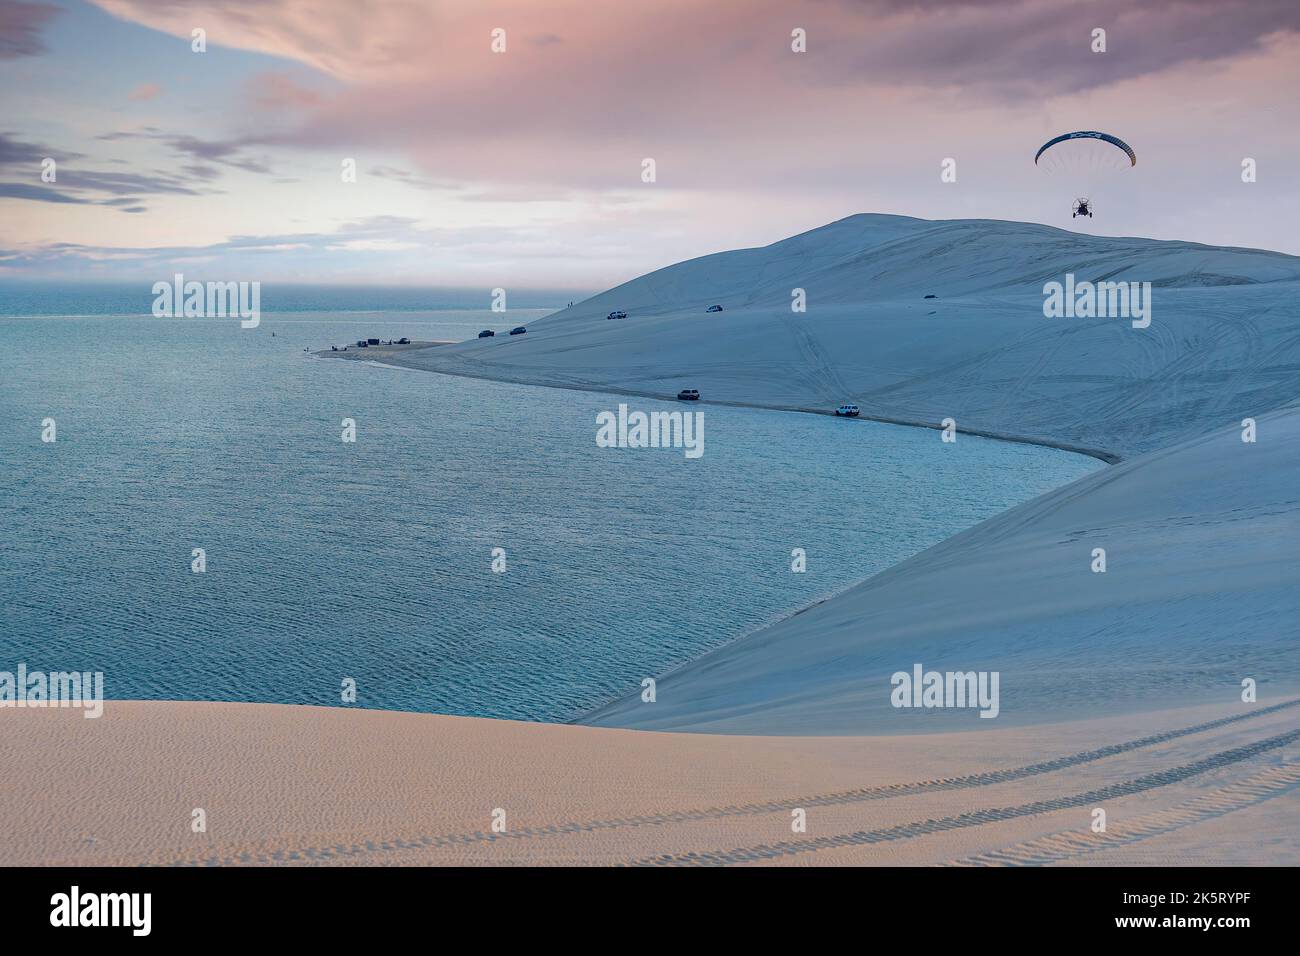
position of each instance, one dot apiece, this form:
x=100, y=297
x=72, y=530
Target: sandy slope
x=323, y=786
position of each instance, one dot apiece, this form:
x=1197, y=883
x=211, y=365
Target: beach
x=375, y=353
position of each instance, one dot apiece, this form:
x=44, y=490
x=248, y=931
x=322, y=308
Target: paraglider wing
x=1089, y=134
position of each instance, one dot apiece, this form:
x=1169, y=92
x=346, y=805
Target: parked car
x=361, y=343
x=372, y=341
x=932, y=296
x=617, y=315
x=403, y=341
x=518, y=330
x=486, y=334
x=714, y=308
x=848, y=411
x=689, y=395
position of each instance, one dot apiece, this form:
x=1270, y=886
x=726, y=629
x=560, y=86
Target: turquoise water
x=372, y=560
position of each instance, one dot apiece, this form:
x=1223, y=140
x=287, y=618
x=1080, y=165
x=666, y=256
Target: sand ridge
x=327, y=786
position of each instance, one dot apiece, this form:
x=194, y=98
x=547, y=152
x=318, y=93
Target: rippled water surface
x=372, y=560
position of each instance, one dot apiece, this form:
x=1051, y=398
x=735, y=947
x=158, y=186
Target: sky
x=519, y=156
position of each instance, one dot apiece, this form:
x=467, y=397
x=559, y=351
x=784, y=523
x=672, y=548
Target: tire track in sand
x=1072, y=844
x=973, y=818
x=338, y=851
x=819, y=365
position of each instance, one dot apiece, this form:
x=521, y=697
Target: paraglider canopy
x=1085, y=162
x=1088, y=134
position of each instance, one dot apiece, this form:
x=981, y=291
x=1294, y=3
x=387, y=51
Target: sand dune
x=328, y=786
x=1223, y=342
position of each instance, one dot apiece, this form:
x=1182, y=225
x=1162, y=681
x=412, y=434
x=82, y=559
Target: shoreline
x=1101, y=454
x=371, y=352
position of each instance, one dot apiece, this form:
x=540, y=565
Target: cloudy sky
x=524, y=167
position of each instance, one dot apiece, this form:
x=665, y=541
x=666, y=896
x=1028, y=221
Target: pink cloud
x=145, y=91
x=713, y=92
x=278, y=92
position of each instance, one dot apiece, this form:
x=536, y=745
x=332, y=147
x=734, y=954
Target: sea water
x=372, y=561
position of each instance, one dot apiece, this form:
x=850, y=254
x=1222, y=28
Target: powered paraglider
x=1084, y=160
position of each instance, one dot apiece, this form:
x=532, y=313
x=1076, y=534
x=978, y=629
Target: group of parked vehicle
x=488, y=333
x=366, y=343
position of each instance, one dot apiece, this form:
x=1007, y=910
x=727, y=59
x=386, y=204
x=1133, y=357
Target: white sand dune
x=1224, y=342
